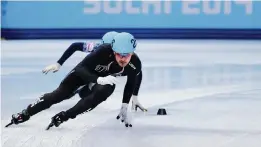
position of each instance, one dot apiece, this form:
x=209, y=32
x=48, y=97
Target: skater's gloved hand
x=136, y=104
x=107, y=80
x=53, y=67
x=123, y=115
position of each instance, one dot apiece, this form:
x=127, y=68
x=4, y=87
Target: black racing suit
x=99, y=63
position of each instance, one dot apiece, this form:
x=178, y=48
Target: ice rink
x=210, y=89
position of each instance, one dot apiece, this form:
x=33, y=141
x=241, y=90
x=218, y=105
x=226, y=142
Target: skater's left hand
x=136, y=104
x=124, y=115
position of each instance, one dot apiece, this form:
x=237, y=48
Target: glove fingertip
x=118, y=117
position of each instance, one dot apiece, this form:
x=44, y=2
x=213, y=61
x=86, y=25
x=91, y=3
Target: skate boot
x=58, y=119
x=19, y=118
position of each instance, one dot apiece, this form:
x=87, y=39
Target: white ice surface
x=210, y=89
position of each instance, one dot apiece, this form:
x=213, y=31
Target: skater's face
x=123, y=60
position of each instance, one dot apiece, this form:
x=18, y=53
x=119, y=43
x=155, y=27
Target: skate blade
x=49, y=126
x=9, y=124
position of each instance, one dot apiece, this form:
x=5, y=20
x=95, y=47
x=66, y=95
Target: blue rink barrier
x=184, y=19
x=139, y=33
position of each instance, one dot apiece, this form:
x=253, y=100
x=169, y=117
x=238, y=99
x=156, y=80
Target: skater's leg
x=49, y=99
x=64, y=91
x=85, y=90
x=99, y=93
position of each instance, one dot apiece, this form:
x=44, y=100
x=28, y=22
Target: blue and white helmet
x=108, y=37
x=124, y=43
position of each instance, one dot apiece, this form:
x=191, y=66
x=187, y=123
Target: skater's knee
x=98, y=94
x=104, y=91
x=84, y=92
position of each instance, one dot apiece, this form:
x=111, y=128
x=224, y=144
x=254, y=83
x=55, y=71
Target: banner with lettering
x=132, y=14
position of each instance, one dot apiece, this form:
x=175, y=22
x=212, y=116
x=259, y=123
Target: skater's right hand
x=107, y=80
x=53, y=67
